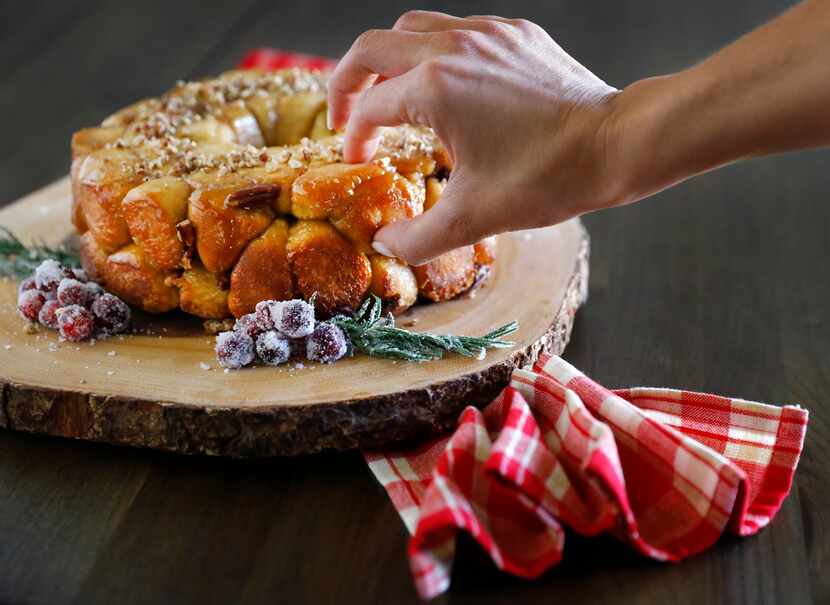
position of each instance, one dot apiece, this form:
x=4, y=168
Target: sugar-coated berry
x=73, y=292
x=263, y=313
x=49, y=274
x=29, y=304
x=273, y=348
x=248, y=324
x=266, y=311
x=294, y=318
x=234, y=349
x=75, y=323
x=48, y=314
x=26, y=284
x=327, y=343
x=111, y=313
x=79, y=274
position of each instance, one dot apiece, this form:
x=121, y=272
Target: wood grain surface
x=721, y=284
x=162, y=388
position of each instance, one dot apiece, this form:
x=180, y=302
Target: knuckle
x=409, y=19
x=495, y=28
x=434, y=75
x=432, y=69
x=367, y=40
x=459, y=40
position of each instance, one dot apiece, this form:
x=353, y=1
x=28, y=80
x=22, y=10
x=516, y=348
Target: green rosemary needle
x=375, y=334
x=18, y=260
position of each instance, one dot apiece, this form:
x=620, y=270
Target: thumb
x=446, y=226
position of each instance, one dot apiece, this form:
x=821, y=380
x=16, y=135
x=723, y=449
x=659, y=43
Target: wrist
x=658, y=134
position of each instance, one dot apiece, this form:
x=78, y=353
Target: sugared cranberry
x=327, y=343
x=49, y=274
x=273, y=348
x=75, y=323
x=111, y=313
x=73, y=292
x=234, y=349
x=26, y=284
x=265, y=312
x=48, y=314
x=294, y=318
x=29, y=303
x=248, y=324
x=78, y=273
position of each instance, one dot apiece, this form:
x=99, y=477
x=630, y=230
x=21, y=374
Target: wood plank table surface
x=721, y=284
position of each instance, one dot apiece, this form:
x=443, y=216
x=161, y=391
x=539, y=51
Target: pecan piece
x=258, y=195
x=187, y=236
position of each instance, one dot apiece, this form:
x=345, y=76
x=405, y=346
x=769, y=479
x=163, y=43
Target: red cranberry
x=73, y=292
x=49, y=274
x=248, y=324
x=48, y=314
x=78, y=273
x=26, y=284
x=273, y=348
x=75, y=323
x=294, y=318
x=265, y=313
x=327, y=343
x=111, y=313
x=29, y=304
x=234, y=349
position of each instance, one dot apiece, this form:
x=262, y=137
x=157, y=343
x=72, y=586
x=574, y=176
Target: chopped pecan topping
x=258, y=195
x=187, y=236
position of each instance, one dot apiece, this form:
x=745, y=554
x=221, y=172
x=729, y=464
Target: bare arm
x=766, y=93
x=536, y=138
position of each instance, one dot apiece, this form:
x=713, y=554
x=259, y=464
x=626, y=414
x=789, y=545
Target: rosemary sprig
x=374, y=334
x=19, y=260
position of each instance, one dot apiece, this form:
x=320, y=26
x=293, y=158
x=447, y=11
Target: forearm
x=768, y=92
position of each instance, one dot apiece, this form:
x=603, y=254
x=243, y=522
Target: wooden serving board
x=151, y=390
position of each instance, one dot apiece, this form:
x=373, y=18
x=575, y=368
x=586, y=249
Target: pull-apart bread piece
x=225, y=192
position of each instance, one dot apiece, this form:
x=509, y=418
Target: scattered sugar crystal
x=110, y=372
x=111, y=354
x=204, y=366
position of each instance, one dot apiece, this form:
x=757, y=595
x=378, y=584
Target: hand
x=527, y=127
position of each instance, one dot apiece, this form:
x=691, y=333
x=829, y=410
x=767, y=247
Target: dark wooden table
x=720, y=284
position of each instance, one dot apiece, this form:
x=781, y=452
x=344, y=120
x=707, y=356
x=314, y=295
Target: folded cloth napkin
x=666, y=471
x=272, y=58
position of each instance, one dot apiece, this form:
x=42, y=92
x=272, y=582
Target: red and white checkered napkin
x=666, y=471
x=273, y=58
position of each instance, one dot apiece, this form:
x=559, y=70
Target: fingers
x=428, y=21
x=442, y=228
x=385, y=53
x=388, y=103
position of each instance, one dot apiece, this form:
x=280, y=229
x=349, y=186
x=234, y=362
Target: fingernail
x=382, y=248
x=329, y=121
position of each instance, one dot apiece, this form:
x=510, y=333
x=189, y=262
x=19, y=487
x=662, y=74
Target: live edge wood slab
x=151, y=389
